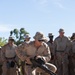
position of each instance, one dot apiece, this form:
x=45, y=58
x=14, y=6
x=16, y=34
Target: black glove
x=12, y=64
x=40, y=60
x=52, y=56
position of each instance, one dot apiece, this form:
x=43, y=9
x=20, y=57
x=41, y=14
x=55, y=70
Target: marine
x=61, y=48
x=36, y=48
x=9, y=57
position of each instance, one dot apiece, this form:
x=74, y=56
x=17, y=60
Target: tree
x=19, y=35
x=3, y=41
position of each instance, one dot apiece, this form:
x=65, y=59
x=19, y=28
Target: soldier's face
x=27, y=39
x=61, y=33
x=38, y=43
x=11, y=41
x=51, y=37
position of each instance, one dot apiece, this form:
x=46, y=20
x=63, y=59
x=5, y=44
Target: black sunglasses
x=11, y=40
x=40, y=40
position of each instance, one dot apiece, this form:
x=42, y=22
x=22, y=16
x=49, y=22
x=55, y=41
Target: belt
x=11, y=57
x=28, y=64
x=60, y=50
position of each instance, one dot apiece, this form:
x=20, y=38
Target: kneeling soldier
x=36, y=48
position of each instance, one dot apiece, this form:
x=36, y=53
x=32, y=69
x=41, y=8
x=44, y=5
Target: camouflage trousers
x=37, y=71
x=61, y=63
x=8, y=71
x=71, y=66
x=29, y=70
x=42, y=72
x=0, y=69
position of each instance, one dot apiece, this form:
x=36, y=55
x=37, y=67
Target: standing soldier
x=9, y=57
x=50, y=44
x=72, y=56
x=35, y=48
x=0, y=63
x=27, y=40
x=61, y=48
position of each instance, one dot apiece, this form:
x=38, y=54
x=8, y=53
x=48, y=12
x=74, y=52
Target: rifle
x=18, y=68
x=41, y=64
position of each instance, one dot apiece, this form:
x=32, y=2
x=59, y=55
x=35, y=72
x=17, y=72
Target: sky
x=47, y=16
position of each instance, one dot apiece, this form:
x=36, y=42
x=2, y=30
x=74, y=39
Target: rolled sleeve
x=20, y=51
x=47, y=54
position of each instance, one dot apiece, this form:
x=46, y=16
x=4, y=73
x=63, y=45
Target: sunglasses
x=40, y=40
x=11, y=39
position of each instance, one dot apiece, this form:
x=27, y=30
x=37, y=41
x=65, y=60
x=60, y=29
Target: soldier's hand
x=38, y=57
x=28, y=60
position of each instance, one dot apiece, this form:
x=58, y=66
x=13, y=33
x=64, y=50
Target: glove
x=12, y=64
x=39, y=59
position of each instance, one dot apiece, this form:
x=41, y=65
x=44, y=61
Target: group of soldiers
x=63, y=53
x=58, y=54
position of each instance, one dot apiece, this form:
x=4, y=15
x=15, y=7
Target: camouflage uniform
x=61, y=48
x=30, y=50
x=8, y=55
x=26, y=40
x=72, y=57
x=0, y=63
x=50, y=44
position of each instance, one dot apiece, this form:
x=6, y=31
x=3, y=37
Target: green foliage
x=19, y=35
x=3, y=41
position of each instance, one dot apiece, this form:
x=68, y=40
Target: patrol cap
x=72, y=37
x=61, y=30
x=50, y=34
x=73, y=34
x=39, y=36
x=27, y=36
